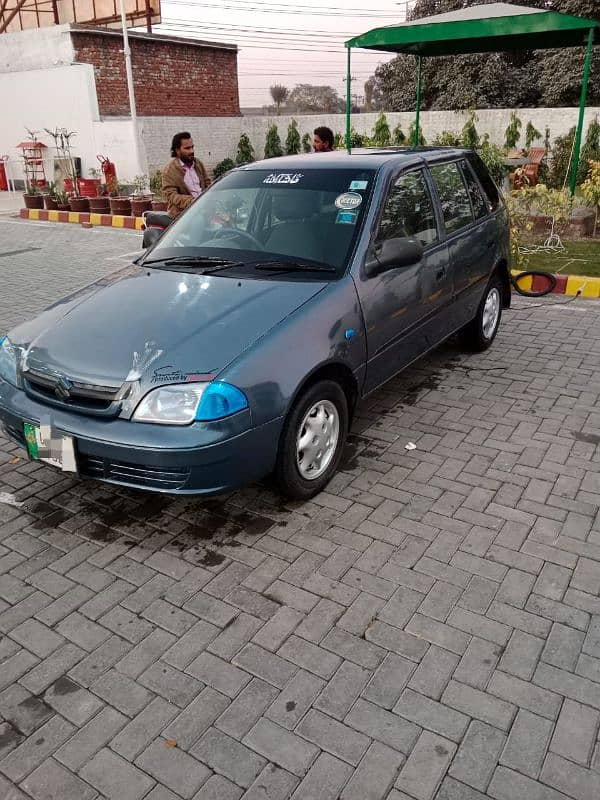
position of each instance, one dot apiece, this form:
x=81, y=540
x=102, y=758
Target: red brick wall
x=169, y=79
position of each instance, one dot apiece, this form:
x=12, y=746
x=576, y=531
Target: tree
x=307, y=98
x=306, y=143
x=381, y=132
x=469, y=136
x=398, y=136
x=531, y=134
x=590, y=150
x=292, y=142
x=222, y=167
x=512, y=134
x=273, y=143
x=279, y=94
x=245, y=151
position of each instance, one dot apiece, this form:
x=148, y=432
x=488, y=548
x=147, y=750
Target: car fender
x=328, y=330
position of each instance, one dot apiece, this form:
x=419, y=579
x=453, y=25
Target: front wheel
x=481, y=331
x=312, y=441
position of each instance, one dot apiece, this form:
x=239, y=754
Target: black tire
x=533, y=273
x=475, y=336
x=289, y=479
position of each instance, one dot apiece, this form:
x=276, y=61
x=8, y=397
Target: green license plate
x=45, y=445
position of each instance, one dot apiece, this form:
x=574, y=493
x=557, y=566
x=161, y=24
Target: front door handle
x=440, y=274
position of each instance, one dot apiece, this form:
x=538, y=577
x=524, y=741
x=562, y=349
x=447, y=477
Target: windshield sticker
x=358, y=186
x=283, y=177
x=348, y=201
x=346, y=218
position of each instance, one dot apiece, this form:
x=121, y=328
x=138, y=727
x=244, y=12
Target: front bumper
x=202, y=458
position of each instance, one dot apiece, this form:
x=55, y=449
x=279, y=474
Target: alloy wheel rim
x=317, y=439
x=491, y=313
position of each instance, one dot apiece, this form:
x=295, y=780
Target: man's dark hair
x=325, y=134
x=177, y=140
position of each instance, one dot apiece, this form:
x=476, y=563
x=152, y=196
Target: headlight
x=8, y=361
x=184, y=403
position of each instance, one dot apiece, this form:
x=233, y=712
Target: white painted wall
x=63, y=97
x=36, y=49
x=216, y=138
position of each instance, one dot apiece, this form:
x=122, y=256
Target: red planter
x=80, y=204
x=99, y=205
x=50, y=203
x=120, y=205
x=33, y=200
x=139, y=205
x=63, y=206
x=159, y=205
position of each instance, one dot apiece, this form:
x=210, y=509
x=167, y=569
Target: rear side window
x=408, y=210
x=454, y=197
x=485, y=179
x=480, y=206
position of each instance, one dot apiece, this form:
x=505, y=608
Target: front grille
x=133, y=474
x=58, y=390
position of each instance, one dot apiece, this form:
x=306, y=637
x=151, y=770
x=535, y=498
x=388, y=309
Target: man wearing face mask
x=185, y=177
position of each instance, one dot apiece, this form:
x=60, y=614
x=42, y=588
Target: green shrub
x=273, y=147
x=245, y=151
x=223, y=167
x=293, y=142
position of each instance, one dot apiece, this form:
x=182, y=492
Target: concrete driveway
x=427, y=628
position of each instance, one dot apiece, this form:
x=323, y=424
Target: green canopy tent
x=482, y=29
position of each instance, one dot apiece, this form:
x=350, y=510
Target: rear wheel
x=312, y=440
x=481, y=331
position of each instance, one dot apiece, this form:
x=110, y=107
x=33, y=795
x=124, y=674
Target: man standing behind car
x=185, y=177
x=323, y=139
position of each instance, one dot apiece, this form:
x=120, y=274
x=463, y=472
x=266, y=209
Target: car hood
x=156, y=326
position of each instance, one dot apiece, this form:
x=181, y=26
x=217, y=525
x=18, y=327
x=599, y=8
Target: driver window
x=408, y=211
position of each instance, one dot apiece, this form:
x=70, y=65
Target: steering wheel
x=236, y=233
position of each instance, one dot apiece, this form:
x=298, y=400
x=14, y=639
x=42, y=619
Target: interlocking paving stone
x=426, y=766
x=174, y=768
x=477, y=756
x=455, y=583
x=527, y=743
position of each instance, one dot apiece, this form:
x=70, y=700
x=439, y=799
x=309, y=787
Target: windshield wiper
x=293, y=266
x=211, y=263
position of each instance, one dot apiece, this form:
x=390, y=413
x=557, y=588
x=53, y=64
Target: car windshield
x=270, y=222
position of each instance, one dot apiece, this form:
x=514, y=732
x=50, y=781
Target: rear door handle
x=490, y=244
x=440, y=273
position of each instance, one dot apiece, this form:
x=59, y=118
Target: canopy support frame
x=417, y=138
x=348, y=98
x=579, y=133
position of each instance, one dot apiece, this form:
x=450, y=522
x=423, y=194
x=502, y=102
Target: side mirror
x=393, y=253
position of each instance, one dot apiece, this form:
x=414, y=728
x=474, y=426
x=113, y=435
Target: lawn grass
x=581, y=257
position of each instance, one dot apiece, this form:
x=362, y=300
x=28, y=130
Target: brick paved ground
x=428, y=628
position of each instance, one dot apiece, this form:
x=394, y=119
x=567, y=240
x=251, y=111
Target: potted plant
x=33, y=197
x=99, y=204
x=62, y=200
x=79, y=203
x=49, y=195
x=121, y=204
x=158, y=203
x=141, y=200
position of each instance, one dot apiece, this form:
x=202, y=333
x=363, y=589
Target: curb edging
x=83, y=218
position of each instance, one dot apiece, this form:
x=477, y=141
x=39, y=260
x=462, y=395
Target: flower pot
x=99, y=205
x=120, y=205
x=33, y=200
x=50, y=203
x=159, y=205
x=63, y=206
x=80, y=204
x=139, y=205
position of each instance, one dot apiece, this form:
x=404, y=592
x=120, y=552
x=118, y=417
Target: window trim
x=442, y=163
x=422, y=167
x=464, y=166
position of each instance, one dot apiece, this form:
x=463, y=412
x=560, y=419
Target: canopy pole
x=417, y=137
x=348, y=98
x=584, y=86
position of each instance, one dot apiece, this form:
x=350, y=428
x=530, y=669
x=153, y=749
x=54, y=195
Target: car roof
x=360, y=158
